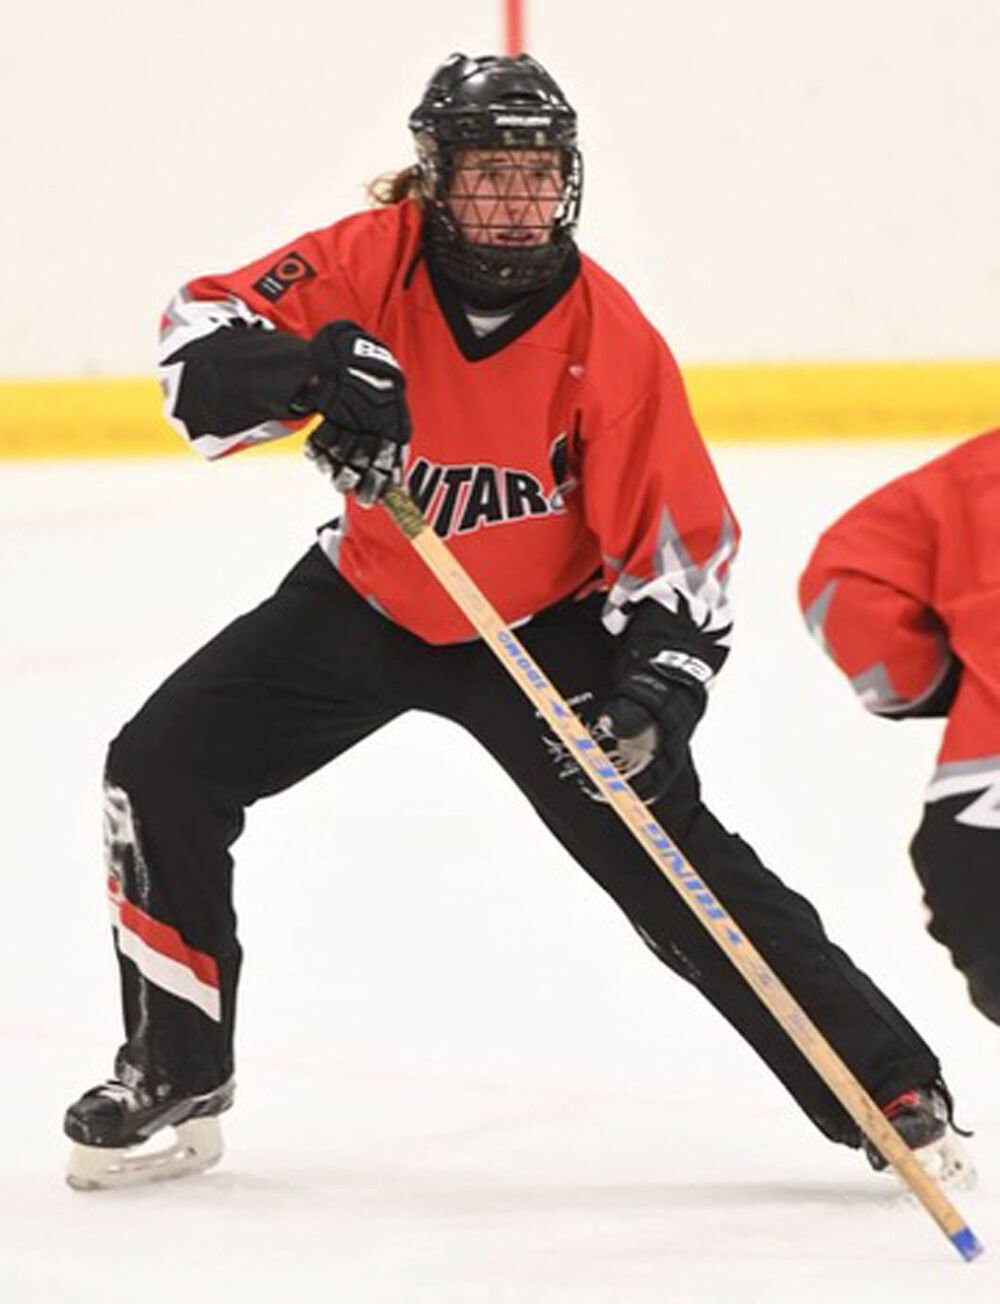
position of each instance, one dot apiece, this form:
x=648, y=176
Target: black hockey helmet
x=494, y=102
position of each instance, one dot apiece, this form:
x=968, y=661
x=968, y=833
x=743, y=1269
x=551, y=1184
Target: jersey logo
x=562, y=459
x=459, y=500
x=291, y=270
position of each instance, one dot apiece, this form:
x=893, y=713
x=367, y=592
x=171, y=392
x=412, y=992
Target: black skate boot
x=110, y=1123
x=923, y=1118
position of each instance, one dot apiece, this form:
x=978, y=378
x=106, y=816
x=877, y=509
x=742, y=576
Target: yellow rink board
x=784, y=401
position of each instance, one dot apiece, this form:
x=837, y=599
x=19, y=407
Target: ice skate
x=923, y=1118
x=111, y=1124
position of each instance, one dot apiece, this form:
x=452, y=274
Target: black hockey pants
x=958, y=865
x=291, y=685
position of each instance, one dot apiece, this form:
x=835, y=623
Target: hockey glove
x=360, y=389
x=659, y=695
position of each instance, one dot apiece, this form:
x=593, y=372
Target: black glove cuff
x=325, y=363
x=325, y=345
x=676, y=703
x=655, y=630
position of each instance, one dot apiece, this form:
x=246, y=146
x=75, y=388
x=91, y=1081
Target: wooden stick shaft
x=675, y=868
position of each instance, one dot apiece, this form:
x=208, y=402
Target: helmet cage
x=523, y=111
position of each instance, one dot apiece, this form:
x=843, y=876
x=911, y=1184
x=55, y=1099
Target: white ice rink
x=462, y=1078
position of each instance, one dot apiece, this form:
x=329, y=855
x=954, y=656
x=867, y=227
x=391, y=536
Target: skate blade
x=197, y=1146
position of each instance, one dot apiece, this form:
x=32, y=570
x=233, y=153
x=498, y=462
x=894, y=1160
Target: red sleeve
x=867, y=597
x=652, y=497
x=233, y=345
x=295, y=289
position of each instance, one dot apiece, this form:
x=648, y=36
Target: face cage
x=504, y=193
x=494, y=267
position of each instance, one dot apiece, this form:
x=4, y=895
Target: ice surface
x=462, y=1078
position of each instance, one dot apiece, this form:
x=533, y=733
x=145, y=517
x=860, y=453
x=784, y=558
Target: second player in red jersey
x=903, y=591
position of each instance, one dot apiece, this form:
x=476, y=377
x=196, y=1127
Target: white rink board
x=462, y=1078
x=772, y=179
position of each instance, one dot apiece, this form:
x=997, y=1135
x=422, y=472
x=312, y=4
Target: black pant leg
x=958, y=864
x=277, y=694
x=877, y=1043
x=875, y=1040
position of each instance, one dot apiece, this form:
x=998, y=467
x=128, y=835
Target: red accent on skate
x=907, y=1100
x=168, y=941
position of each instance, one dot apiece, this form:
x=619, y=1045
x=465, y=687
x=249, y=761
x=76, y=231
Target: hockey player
x=456, y=339
x=904, y=593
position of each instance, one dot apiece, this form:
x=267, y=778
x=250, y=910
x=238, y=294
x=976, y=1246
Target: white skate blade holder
x=948, y=1162
x=197, y=1145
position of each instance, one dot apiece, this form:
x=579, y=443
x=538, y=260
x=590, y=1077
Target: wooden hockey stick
x=683, y=877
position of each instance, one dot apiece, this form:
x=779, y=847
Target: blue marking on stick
x=659, y=840
x=966, y=1243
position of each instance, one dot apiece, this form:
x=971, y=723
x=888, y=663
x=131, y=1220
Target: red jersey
x=906, y=582
x=554, y=455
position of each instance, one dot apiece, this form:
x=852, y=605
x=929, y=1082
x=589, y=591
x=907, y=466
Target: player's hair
x=394, y=187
